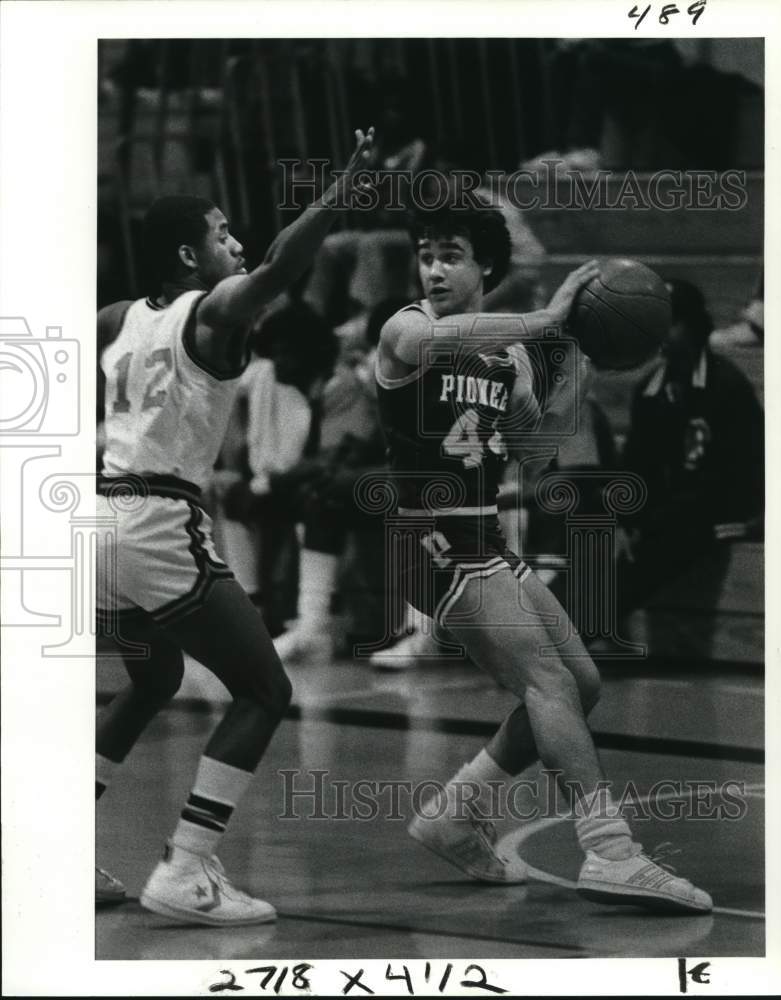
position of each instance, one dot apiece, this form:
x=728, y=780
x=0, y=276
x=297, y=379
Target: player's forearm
x=293, y=248
x=481, y=331
x=499, y=329
x=287, y=258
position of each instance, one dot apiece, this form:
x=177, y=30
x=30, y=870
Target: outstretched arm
x=234, y=303
x=404, y=335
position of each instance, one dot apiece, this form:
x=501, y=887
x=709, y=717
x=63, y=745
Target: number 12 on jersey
x=160, y=363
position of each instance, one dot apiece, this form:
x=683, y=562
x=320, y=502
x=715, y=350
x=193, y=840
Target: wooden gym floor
x=346, y=887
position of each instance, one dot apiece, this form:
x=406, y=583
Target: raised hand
x=362, y=151
x=336, y=195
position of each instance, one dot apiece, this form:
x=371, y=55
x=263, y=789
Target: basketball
x=621, y=318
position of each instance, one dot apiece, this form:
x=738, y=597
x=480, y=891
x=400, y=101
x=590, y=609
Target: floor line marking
x=338, y=696
x=355, y=922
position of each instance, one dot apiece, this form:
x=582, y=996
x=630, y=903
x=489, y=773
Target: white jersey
x=166, y=413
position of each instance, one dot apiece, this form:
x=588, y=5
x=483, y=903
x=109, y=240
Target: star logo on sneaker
x=214, y=902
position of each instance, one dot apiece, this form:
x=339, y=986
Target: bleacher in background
x=213, y=117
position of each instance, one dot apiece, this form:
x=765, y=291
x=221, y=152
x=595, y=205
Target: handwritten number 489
x=694, y=11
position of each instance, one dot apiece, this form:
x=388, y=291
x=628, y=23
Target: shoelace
x=216, y=870
x=662, y=851
x=484, y=827
x=486, y=831
x=106, y=875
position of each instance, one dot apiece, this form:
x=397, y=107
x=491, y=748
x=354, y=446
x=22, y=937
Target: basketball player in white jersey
x=171, y=373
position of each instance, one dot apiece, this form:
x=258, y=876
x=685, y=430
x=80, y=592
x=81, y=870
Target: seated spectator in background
x=696, y=438
x=750, y=330
x=280, y=394
x=337, y=534
x=360, y=354
x=743, y=342
x=356, y=270
x=591, y=449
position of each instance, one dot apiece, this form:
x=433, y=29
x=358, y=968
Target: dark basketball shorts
x=437, y=561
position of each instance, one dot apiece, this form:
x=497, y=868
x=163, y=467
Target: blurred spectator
x=355, y=270
x=697, y=440
x=337, y=534
x=743, y=342
x=591, y=449
x=281, y=395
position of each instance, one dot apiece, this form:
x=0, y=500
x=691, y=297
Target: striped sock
x=104, y=773
x=217, y=789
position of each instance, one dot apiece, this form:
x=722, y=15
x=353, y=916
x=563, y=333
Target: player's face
x=219, y=255
x=452, y=279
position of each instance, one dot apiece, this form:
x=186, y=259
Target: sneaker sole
x=627, y=897
x=197, y=917
x=441, y=852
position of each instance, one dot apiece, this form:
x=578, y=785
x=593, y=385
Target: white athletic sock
x=483, y=769
x=105, y=770
x=471, y=784
x=601, y=828
x=318, y=576
x=217, y=789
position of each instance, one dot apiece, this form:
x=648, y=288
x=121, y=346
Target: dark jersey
x=442, y=423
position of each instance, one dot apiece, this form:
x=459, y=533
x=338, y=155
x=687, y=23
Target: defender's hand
x=336, y=194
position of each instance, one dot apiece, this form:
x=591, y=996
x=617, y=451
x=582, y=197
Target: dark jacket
x=699, y=446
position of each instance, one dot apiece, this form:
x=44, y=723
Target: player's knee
x=554, y=684
x=157, y=684
x=271, y=690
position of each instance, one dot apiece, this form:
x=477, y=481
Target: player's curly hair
x=484, y=227
x=169, y=223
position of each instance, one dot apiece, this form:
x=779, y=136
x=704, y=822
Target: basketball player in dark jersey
x=171, y=375
x=450, y=380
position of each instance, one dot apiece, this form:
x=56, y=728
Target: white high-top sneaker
x=190, y=888
x=466, y=841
